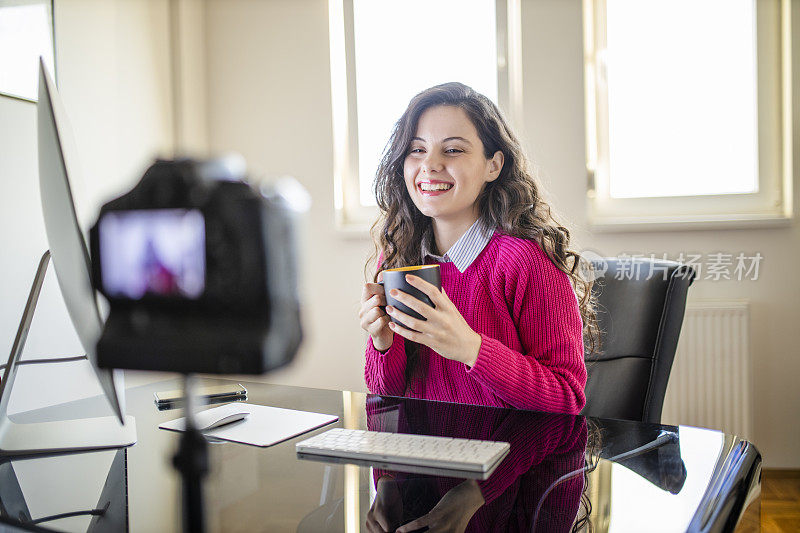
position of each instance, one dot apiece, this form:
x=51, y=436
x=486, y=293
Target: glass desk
x=561, y=469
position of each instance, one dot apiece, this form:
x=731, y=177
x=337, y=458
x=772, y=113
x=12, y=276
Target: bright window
x=404, y=47
x=685, y=110
x=383, y=52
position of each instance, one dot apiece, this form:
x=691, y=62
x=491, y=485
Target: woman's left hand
x=444, y=331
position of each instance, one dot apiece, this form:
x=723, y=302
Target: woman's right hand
x=374, y=319
x=386, y=511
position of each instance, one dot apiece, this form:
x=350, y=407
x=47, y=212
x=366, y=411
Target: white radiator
x=711, y=381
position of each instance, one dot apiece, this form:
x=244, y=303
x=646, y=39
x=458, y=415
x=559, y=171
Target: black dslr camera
x=200, y=273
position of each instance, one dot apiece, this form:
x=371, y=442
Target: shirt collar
x=465, y=250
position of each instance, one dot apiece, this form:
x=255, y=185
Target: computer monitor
x=69, y=252
x=68, y=245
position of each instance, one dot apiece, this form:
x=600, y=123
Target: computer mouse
x=224, y=420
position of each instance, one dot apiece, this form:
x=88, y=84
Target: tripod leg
x=192, y=463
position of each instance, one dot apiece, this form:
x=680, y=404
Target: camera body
x=199, y=270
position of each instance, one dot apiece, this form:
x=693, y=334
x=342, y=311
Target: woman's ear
x=495, y=165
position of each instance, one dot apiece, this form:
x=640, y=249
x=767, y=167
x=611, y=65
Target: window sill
x=353, y=231
x=359, y=231
x=677, y=223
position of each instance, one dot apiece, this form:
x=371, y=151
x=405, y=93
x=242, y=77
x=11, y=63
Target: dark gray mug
x=395, y=278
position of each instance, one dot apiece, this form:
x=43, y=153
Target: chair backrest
x=640, y=310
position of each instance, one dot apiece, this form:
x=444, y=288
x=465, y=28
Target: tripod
x=191, y=461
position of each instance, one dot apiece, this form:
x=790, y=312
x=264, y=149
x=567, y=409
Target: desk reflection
x=53, y=491
x=544, y=447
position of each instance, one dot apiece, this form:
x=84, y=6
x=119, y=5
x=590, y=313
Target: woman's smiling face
x=445, y=168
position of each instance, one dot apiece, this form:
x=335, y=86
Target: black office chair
x=640, y=311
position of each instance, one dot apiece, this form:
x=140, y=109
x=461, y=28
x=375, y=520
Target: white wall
x=113, y=74
x=269, y=98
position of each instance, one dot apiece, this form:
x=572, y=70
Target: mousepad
x=264, y=425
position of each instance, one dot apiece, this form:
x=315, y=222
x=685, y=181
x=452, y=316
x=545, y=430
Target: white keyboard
x=400, y=448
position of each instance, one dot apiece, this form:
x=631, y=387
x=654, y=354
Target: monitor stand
x=62, y=435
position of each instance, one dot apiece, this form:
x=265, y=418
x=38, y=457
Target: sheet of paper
x=264, y=426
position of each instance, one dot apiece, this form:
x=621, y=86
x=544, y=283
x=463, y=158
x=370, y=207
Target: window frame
x=351, y=216
x=770, y=206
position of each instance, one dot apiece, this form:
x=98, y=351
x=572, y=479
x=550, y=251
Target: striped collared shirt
x=465, y=250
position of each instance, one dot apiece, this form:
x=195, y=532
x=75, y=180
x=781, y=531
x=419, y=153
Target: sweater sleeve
x=548, y=374
x=384, y=373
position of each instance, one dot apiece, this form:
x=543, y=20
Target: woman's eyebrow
x=462, y=139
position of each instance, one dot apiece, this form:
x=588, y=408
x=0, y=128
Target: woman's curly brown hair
x=512, y=203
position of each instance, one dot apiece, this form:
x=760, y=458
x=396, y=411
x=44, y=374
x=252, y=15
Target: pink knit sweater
x=531, y=354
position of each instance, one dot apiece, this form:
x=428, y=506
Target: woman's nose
x=432, y=163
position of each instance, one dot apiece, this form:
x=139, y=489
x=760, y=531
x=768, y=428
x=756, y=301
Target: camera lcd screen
x=158, y=252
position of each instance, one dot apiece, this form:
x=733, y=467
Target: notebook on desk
x=264, y=426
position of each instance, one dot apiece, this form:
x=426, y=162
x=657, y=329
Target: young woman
x=454, y=188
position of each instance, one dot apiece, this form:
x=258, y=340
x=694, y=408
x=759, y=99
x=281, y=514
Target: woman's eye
x=453, y=151
x=416, y=151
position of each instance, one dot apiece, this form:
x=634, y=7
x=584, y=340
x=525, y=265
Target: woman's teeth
x=435, y=186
